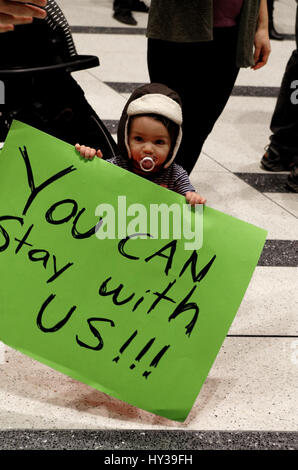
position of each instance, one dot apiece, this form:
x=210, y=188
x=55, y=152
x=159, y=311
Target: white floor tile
x=271, y=74
x=284, y=16
x=106, y=102
x=287, y=200
x=96, y=13
x=122, y=57
x=239, y=136
x=229, y=194
x=251, y=386
x=205, y=163
x=269, y=306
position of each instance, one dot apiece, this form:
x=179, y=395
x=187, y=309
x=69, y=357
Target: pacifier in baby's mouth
x=147, y=164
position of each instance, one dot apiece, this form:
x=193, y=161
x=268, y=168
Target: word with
x=165, y=221
x=184, y=305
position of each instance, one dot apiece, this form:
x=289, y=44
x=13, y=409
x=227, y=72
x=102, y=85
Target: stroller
x=36, y=62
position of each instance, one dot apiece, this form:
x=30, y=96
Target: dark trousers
x=122, y=5
x=203, y=74
x=284, y=122
x=270, y=6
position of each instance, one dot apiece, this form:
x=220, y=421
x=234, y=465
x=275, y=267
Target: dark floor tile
x=146, y=440
x=279, y=253
x=266, y=182
x=126, y=87
x=107, y=30
x=256, y=91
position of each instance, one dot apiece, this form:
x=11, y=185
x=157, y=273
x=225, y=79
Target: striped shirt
x=174, y=177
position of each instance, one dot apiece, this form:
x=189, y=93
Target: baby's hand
x=194, y=198
x=88, y=152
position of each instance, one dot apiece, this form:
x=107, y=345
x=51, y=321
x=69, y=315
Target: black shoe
x=273, y=34
x=124, y=16
x=292, y=182
x=139, y=6
x=271, y=161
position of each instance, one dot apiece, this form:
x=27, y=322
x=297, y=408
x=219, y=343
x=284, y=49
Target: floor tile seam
x=261, y=336
x=282, y=207
x=94, y=75
x=278, y=204
x=273, y=189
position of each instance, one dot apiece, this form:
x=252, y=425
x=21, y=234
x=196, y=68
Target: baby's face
x=148, y=138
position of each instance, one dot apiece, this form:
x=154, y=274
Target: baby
x=149, y=135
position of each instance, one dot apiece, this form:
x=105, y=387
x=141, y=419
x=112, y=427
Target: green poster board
x=139, y=317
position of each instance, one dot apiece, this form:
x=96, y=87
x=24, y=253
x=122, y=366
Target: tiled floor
x=252, y=389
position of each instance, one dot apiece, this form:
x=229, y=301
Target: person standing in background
x=123, y=10
x=201, y=62
x=282, y=151
x=273, y=34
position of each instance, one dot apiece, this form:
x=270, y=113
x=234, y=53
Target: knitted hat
x=153, y=98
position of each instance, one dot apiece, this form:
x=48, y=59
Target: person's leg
x=122, y=4
x=284, y=122
x=139, y=5
x=293, y=176
x=122, y=12
x=203, y=74
x=273, y=34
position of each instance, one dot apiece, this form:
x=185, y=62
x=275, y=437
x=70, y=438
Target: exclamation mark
x=125, y=345
x=156, y=360
x=143, y=352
